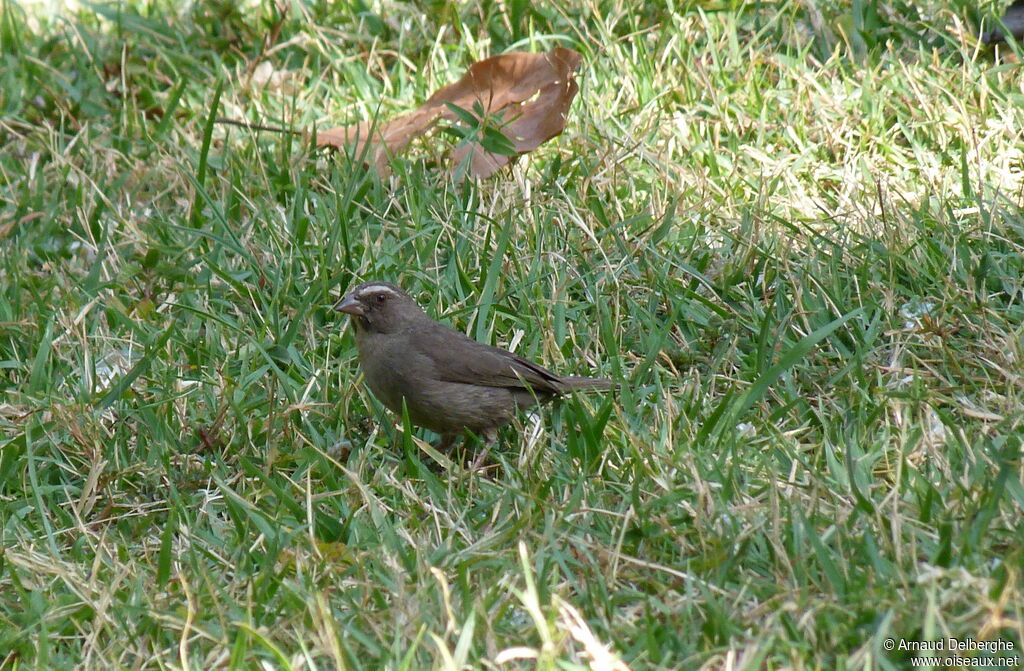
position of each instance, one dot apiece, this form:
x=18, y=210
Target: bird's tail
x=578, y=383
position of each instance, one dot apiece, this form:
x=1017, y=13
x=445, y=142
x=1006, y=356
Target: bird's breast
x=388, y=367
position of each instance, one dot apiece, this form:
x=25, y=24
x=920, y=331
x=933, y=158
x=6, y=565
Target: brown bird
x=447, y=381
x=1013, y=21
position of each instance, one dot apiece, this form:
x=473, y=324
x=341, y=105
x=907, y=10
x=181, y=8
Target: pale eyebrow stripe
x=376, y=288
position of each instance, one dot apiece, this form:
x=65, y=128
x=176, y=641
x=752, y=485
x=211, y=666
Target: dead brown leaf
x=534, y=90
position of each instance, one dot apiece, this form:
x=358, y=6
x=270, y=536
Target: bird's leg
x=447, y=440
x=490, y=437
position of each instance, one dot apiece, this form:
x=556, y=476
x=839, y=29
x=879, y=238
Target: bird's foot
x=490, y=437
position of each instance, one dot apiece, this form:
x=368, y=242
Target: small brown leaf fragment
x=536, y=89
x=533, y=123
x=375, y=142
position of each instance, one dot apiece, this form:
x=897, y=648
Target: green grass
x=791, y=232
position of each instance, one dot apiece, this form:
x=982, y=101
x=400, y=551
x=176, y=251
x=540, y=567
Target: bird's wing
x=457, y=358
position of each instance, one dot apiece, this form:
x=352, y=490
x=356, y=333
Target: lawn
x=790, y=232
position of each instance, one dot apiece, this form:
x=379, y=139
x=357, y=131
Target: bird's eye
x=381, y=298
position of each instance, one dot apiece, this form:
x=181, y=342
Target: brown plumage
x=1013, y=21
x=449, y=382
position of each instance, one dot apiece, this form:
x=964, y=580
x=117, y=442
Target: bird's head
x=379, y=307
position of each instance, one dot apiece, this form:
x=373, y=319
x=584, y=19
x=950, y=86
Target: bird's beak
x=350, y=305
